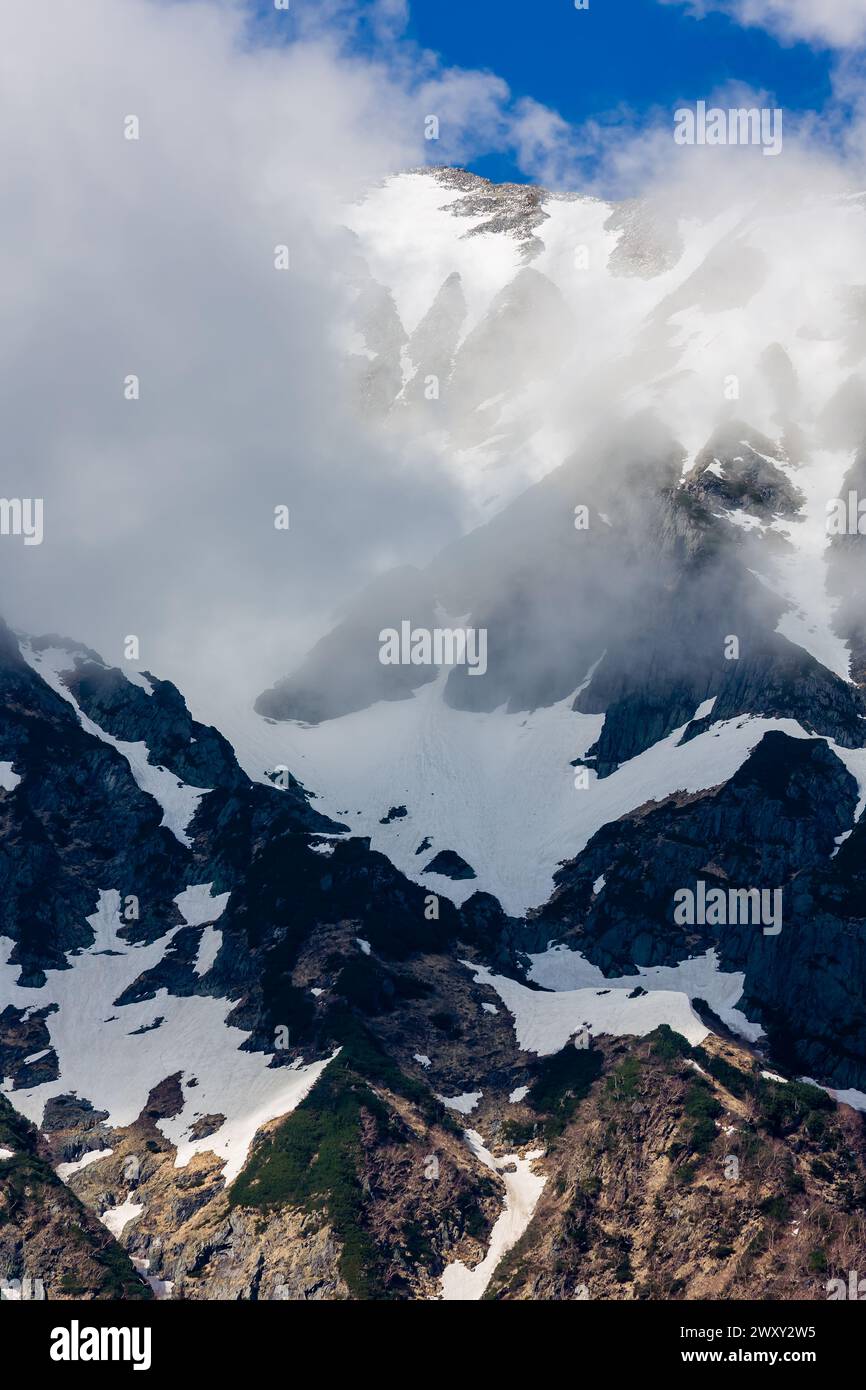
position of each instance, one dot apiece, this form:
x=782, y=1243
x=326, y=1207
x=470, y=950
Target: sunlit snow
x=523, y=1188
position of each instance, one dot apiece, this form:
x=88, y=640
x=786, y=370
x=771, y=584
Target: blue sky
x=634, y=52
x=619, y=62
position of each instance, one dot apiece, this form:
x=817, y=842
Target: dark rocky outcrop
x=51, y=1245
x=450, y=864
x=775, y=824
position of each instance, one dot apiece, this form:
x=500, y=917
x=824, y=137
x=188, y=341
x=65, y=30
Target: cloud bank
x=157, y=257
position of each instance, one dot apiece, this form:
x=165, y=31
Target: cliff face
x=778, y=821
x=366, y=1190
x=687, y=1174
x=52, y=1245
x=290, y=1073
x=666, y=1171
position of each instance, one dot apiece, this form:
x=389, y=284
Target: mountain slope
x=439, y=1026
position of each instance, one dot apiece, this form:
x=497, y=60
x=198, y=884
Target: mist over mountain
x=433, y=678
x=401, y=882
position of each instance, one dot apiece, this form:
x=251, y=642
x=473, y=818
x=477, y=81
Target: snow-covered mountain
x=543, y=316
x=652, y=418
x=394, y=896
x=559, y=352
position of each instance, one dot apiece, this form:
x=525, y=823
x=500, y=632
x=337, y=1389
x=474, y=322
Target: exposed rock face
x=77, y=819
x=366, y=1190
x=449, y=864
x=51, y=1245
x=686, y=1175
x=516, y=209
x=432, y=348
x=198, y=754
x=775, y=823
x=293, y=918
x=654, y=627
x=738, y=468
x=239, y=1255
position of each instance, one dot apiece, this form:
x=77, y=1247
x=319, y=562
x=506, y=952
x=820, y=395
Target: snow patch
x=65, y=1170
x=799, y=575
x=162, y=1288
x=704, y=708
x=208, y=949
x=464, y=1104
x=698, y=977
x=522, y=1191
x=116, y=1218
x=198, y=905
x=856, y=1099
x=103, y=1059
x=8, y=779
x=449, y=767
x=544, y=1022
x=138, y=678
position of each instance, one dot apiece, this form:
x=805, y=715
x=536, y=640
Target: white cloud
x=155, y=257
x=831, y=23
